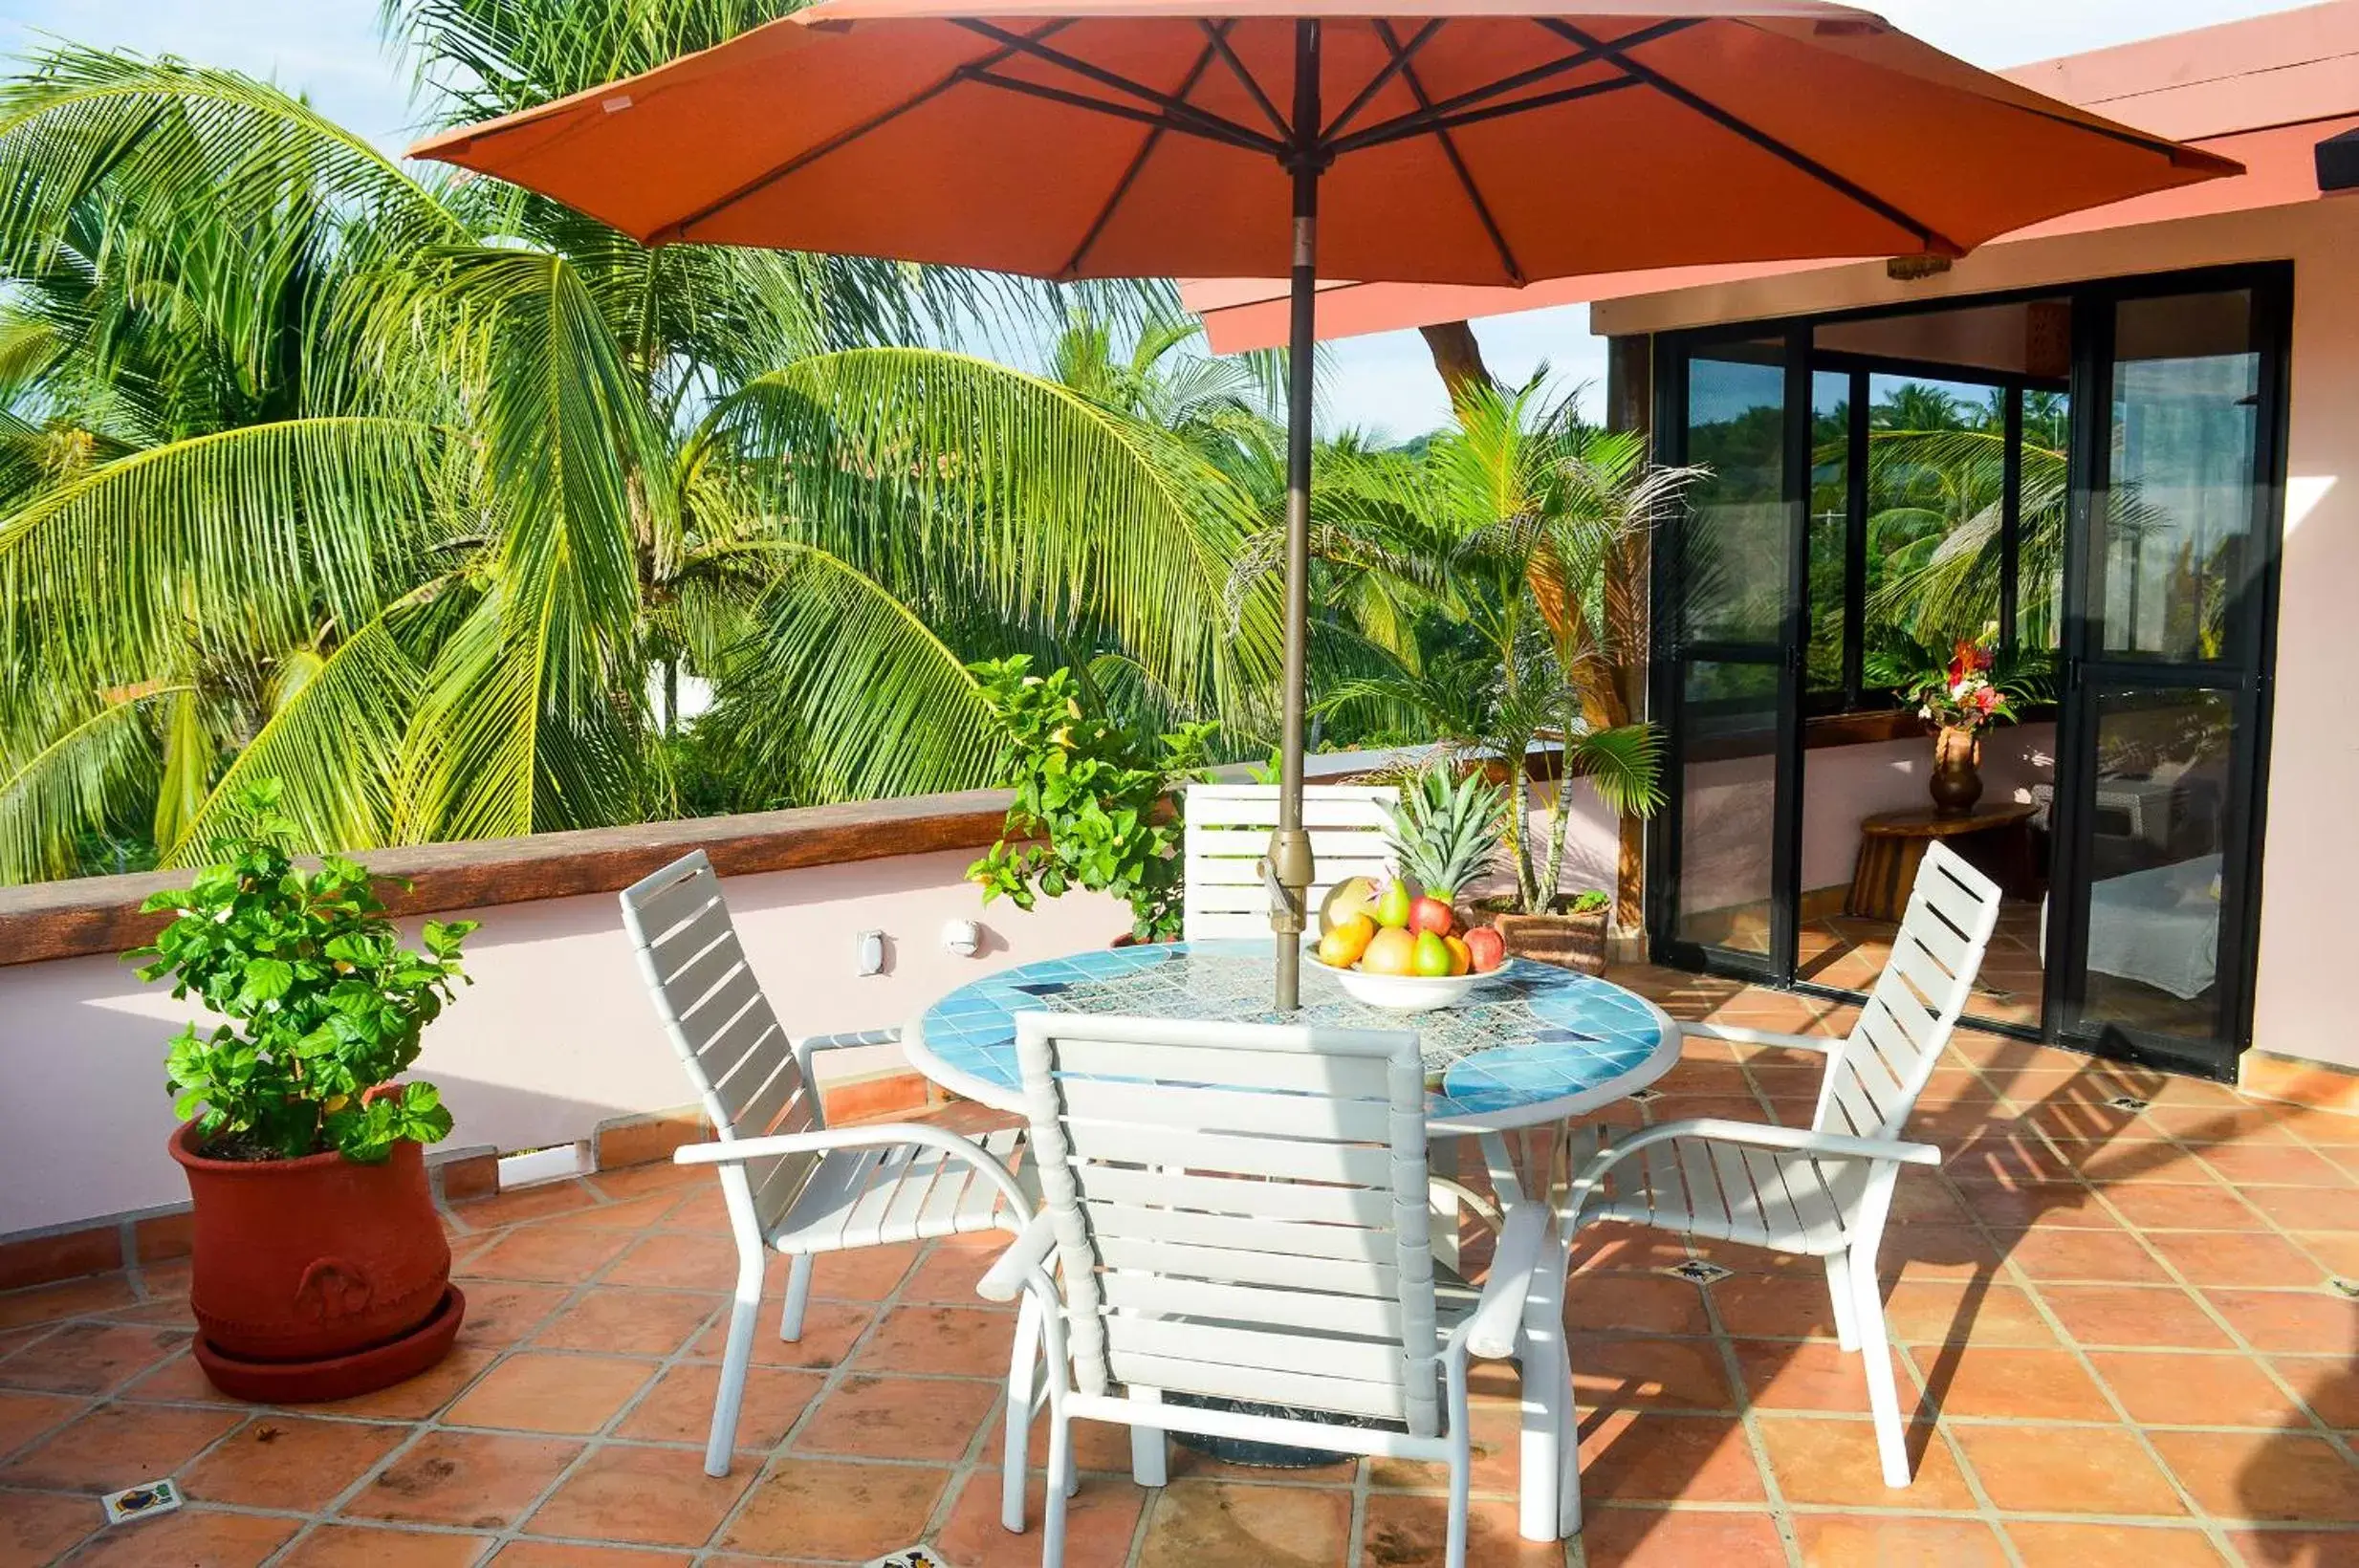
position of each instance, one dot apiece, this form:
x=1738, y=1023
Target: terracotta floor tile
x=675, y=1260
x=533, y=1553
x=1494, y=1439
x=625, y=1321
x=115, y=1445
x=1763, y=1307
x=955, y=1341
x=1638, y=1456
x=1099, y=1521
x=1935, y=1252
x=2160, y=1208
x=551, y=1392
x=2164, y=1316
x=1100, y=1445
x=2170, y=1388
x=2231, y=1257
x=2051, y=1545
x=1999, y=1381
x=829, y=1330
x=2005, y=1155
x=2281, y=1477
x=899, y=1418
x=2306, y=1208
x=178, y=1381
x=2329, y=1385
x=191, y=1538
x=2295, y=1547
x=375, y=1546
x=2067, y=1469
x=679, y=1407
x=38, y=1527
x=1214, y=1524
x=23, y=1417
x=2336, y=1251
x=2267, y=1164
x=624, y=1182
x=51, y=1303
x=645, y=1498
x=1634, y=1303
x=1941, y=1312
x=833, y=1509
x=862, y=1273
x=474, y=1480
x=1646, y=1538
x=1853, y=1540
x=545, y=1252
x=530, y=1203
x=1411, y=1531
x=90, y=1357
x=949, y=1272
x=2084, y=1256
x=1817, y=1376
x=1833, y=1461
x=422, y=1394
x=2294, y=1322
x=500, y=1311
x=292, y=1462
x=2035, y=1205
x=1611, y=1372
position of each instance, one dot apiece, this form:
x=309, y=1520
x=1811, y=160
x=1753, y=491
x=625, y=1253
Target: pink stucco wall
x=2310, y=867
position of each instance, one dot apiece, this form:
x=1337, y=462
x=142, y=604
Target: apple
x=1486, y=948
x=1392, y=909
x=1392, y=950
x=1347, y=900
x=1432, y=914
x=1432, y=956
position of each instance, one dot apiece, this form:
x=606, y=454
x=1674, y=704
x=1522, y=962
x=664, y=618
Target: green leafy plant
x=324, y=1005
x=1588, y=900
x=1093, y=804
x=1447, y=830
x=1974, y=687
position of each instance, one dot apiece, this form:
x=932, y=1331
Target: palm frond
x=89, y=776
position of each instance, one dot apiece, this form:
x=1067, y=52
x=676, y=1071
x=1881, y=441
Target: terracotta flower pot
x=319, y=1277
x=1956, y=784
x=1575, y=941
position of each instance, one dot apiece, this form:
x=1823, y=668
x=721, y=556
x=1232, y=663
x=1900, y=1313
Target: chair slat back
x=1240, y=1210
x=1872, y=1082
x=738, y=1059
x=1228, y=833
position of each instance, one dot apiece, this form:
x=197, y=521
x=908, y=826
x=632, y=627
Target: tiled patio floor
x=2124, y=1319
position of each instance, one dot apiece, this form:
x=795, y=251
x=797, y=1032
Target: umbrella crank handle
x=1286, y=871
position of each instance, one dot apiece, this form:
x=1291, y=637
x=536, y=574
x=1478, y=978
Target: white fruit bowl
x=1400, y=993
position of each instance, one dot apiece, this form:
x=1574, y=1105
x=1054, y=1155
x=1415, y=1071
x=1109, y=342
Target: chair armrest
x=812, y=1043
x=1498, y=1312
x=1018, y=1260
x=881, y=1134
x=1737, y=1036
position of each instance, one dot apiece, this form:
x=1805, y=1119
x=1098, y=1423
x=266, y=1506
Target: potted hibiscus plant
x=320, y=1269
x=1977, y=688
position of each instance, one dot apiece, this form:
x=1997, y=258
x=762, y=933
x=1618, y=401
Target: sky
x=329, y=51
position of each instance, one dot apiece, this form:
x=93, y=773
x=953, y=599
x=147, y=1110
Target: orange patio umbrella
x=1486, y=141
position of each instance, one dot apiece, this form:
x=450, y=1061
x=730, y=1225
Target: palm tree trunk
x=1457, y=357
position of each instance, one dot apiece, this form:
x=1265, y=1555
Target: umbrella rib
x=1218, y=33
x=1415, y=122
x=679, y=230
x=1226, y=135
x=1449, y=150
x=1214, y=127
x=1401, y=54
x=1498, y=111
x=1931, y=239
x=1137, y=162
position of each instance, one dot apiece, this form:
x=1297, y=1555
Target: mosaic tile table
x=1533, y=1045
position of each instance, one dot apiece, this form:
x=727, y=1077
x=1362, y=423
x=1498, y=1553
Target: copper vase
x=1956, y=784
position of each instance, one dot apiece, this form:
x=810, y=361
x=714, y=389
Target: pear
x=1432, y=956
x=1392, y=909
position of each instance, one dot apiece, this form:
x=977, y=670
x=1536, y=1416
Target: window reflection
x=1736, y=539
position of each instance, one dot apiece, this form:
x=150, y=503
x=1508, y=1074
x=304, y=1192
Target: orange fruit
x=1392, y=950
x=1461, y=957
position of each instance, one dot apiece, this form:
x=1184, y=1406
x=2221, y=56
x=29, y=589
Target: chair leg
x=1568, y=1465
x=1021, y=1367
x=1059, y=1463
x=1545, y=1375
x=1148, y=1451
x=1839, y=1292
x=798, y=1297
x=735, y=1360
x=1461, y=1484
x=1883, y=1393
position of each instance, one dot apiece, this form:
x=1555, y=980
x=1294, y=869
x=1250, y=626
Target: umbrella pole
x=1289, y=847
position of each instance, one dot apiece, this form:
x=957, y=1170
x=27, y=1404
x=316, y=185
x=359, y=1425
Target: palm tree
x=1482, y=571
x=415, y=493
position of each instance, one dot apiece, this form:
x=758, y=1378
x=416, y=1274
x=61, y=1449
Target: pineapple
x=1445, y=831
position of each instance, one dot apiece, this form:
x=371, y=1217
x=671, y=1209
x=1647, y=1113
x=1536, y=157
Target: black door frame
x=2093, y=303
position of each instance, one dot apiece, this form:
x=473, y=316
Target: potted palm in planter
x=320, y=1269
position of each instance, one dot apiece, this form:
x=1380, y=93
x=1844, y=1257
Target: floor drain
x=2345, y=1287
x=2129, y=1103
x=1696, y=1271
x=1639, y=1097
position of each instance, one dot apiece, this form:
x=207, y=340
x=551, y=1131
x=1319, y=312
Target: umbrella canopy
x=1484, y=141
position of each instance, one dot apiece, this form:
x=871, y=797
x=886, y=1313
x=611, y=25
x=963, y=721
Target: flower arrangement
x=1977, y=688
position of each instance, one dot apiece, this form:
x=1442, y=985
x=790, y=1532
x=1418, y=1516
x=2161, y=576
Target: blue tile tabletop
x=1530, y=1044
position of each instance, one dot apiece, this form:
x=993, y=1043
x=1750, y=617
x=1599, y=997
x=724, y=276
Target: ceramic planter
x=315, y=1278
x=1575, y=941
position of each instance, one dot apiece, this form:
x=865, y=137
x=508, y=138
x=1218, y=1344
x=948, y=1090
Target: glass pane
x=1727, y=804
x=2159, y=819
x=1831, y=511
x=2172, y=560
x=2046, y=507
x=1936, y=493
x=1734, y=555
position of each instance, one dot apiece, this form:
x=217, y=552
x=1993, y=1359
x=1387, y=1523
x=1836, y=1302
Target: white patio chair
x=1228, y=833
x=1820, y=1192
x=789, y=1181
x=1239, y=1212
